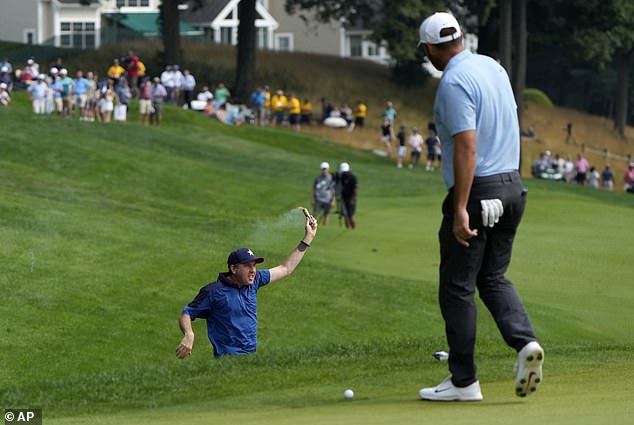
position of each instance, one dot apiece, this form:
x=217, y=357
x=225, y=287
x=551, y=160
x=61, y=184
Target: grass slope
x=107, y=231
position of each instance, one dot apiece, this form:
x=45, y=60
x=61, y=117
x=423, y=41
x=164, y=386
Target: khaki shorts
x=145, y=106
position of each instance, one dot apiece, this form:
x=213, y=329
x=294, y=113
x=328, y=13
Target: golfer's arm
x=464, y=160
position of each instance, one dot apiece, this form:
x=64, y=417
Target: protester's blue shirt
x=231, y=313
x=475, y=94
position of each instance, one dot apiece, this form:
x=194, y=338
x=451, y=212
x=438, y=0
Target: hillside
x=344, y=81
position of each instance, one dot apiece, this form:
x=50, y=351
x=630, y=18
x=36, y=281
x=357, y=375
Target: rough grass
x=107, y=231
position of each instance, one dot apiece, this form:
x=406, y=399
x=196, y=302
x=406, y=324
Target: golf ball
x=348, y=394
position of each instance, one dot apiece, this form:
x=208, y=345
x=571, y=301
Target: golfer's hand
x=185, y=347
x=461, y=230
x=492, y=210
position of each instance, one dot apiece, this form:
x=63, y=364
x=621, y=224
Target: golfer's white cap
x=431, y=28
x=324, y=166
x=344, y=167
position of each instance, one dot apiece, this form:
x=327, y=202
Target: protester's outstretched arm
x=296, y=256
x=184, y=349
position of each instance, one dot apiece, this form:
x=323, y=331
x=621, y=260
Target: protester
x=229, y=305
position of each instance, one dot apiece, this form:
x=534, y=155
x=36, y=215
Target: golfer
x=229, y=304
x=476, y=117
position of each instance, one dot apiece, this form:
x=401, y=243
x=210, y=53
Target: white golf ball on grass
x=348, y=394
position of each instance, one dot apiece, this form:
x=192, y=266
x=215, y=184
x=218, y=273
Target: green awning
x=146, y=24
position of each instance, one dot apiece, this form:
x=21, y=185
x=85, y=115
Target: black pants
x=482, y=265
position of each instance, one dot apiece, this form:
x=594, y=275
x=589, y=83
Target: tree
x=246, y=50
x=170, y=23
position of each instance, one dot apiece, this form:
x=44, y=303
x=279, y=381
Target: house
x=69, y=23
x=336, y=38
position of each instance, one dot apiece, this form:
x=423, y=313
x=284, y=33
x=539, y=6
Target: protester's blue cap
x=241, y=256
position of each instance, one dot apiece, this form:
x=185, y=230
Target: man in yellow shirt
x=266, y=111
x=115, y=71
x=307, y=112
x=294, y=111
x=360, y=110
x=278, y=106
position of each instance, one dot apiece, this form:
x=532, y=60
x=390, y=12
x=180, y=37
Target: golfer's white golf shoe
x=447, y=391
x=529, y=369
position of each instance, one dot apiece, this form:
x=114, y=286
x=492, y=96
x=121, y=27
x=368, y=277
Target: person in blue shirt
x=476, y=118
x=229, y=304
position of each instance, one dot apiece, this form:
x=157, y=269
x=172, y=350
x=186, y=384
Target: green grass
x=106, y=232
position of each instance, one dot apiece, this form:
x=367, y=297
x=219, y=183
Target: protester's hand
x=311, y=229
x=492, y=210
x=185, y=347
x=461, y=230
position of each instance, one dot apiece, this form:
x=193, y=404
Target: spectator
x=607, y=179
x=108, y=98
x=123, y=95
x=92, y=96
x=68, y=87
x=628, y=179
x=348, y=188
x=557, y=164
x=387, y=134
x=205, y=95
x=167, y=80
x=278, y=106
x=402, y=149
x=57, y=66
x=5, y=99
x=307, y=112
x=433, y=143
x=294, y=112
x=593, y=178
x=389, y=113
x=326, y=109
x=38, y=90
x=177, y=79
x=4, y=63
x=581, y=167
x=5, y=76
x=221, y=95
x=360, y=111
x=568, y=170
x=266, y=112
x=258, y=98
x=159, y=94
x=188, y=86
x=529, y=134
x=57, y=89
x=569, y=136
x=145, y=101
x=416, y=147
x=346, y=114
x=33, y=67
x=80, y=98
x=116, y=71
x=323, y=193
x=131, y=63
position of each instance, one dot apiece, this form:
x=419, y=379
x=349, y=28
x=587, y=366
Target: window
x=78, y=35
x=263, y=38
x=284, y=42
x=29, y=36
x=356, y=46
x=133, y=3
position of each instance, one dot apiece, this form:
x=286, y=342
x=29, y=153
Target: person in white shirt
x=167, y=81
x=416, y=147
x=177, y=77
x=38, y=90
x=188, y=86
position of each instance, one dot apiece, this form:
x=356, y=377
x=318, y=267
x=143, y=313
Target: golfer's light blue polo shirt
x=475, y=94
x=231, y=313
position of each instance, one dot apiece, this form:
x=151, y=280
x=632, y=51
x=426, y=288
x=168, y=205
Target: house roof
x=75, y=1
x=205, y=14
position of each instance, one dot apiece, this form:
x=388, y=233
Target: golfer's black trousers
x=482, y=265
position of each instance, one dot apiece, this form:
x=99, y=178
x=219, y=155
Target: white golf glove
x=492, y=210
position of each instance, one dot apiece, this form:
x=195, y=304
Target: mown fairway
x=106, y=232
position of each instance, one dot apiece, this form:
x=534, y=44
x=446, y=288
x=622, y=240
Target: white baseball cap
x=432, y=26
x=344, y=167
x=3, y=85
x=324, y=165
x=63, y=71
